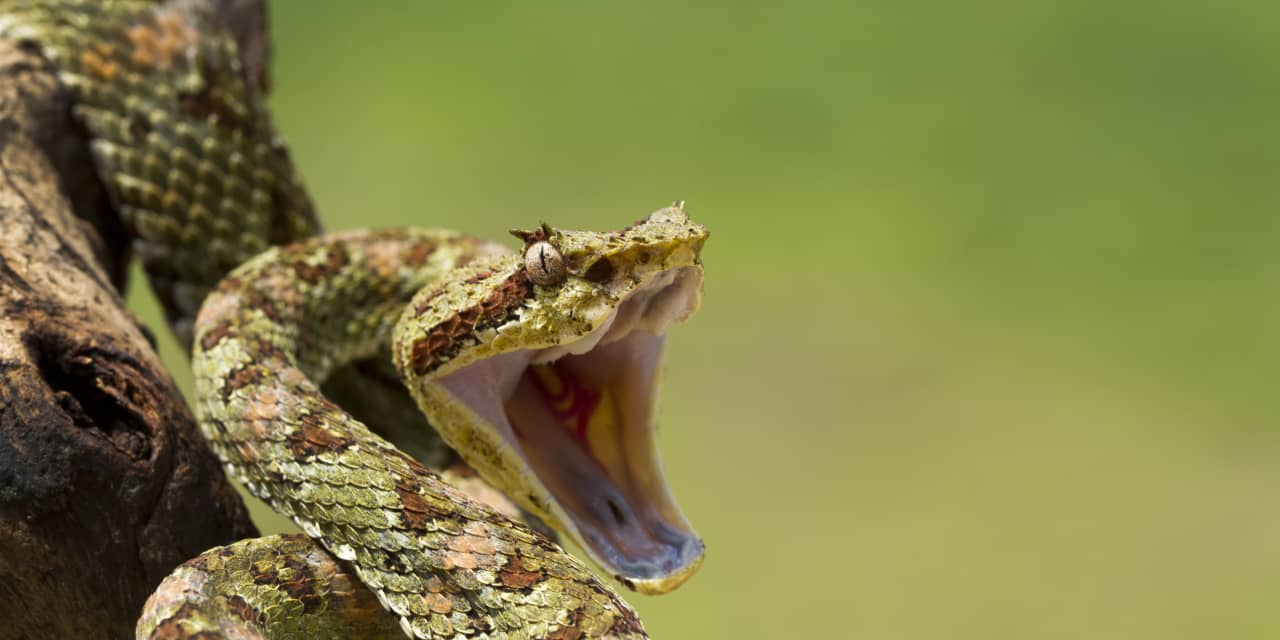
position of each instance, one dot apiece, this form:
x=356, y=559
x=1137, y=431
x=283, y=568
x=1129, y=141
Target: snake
x=538, y=366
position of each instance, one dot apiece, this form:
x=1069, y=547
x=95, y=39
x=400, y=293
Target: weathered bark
x=105, y=482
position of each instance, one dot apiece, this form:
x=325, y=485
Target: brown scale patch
x=99, y=66
x=417, y=512
x=218, y=306
x=415, y=467
x=384, y=256
x=468, y=550
x=259, y=300
x=479, y=276
x=476, y=540
x=269, y=352
x=436, y=603
x=230, y=285
x=507, y=296
x=174, y=626
x=199, y=563
x=157, y=43
x=241, y=608
x=430, y=351
x=262, y=413
x=533, y=235
x=457, y=325
x=247, y=451
x=336, y=257
x=313, y=438
x=443, y=341
x=348, y=595
x=565, y=633
x=277, y=284
x=419, y=252
x=212, y=337
x=569, y=631
x=240, y=378
x=294, y=379
x=161, y=42
x=453, y=559
x=627, y=622
x=514, y=575
x=212, y=98
x=266, y=405
x=295, y=578
x=468, y=317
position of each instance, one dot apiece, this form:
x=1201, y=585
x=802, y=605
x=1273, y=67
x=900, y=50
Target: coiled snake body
x=539, y=368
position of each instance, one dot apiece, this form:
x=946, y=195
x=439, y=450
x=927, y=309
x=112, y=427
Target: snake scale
x=538, y=367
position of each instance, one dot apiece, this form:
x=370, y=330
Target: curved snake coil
x=539, y=368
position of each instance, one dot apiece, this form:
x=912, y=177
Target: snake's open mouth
x=580, y=416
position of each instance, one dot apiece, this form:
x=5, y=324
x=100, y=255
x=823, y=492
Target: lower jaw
x=584, y=430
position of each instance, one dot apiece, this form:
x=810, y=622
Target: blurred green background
x=991, y=337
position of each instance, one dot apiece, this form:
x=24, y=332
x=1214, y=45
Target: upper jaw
x=576, y=424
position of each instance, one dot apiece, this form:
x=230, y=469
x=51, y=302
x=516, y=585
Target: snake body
x=179, y=133
x=538, y=367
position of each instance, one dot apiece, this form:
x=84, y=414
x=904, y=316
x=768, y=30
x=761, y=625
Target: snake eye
x=544, y=264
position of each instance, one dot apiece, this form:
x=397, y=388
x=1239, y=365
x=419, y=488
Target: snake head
x=541, y=370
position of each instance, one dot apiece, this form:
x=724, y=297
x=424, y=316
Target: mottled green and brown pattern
x=186, y=150
x=445, y=564
x=181, y=137
x=274, y=587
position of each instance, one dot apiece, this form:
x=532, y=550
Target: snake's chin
x=580, y=416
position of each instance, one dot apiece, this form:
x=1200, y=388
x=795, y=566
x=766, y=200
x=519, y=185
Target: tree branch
x=105, y=483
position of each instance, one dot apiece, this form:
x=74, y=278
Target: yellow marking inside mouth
x=589, y=414
x=553, y=388
x=604, y=436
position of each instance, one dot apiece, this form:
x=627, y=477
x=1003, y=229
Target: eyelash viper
x=539, y=367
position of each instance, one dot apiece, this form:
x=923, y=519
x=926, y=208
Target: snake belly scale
x=538, y=367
